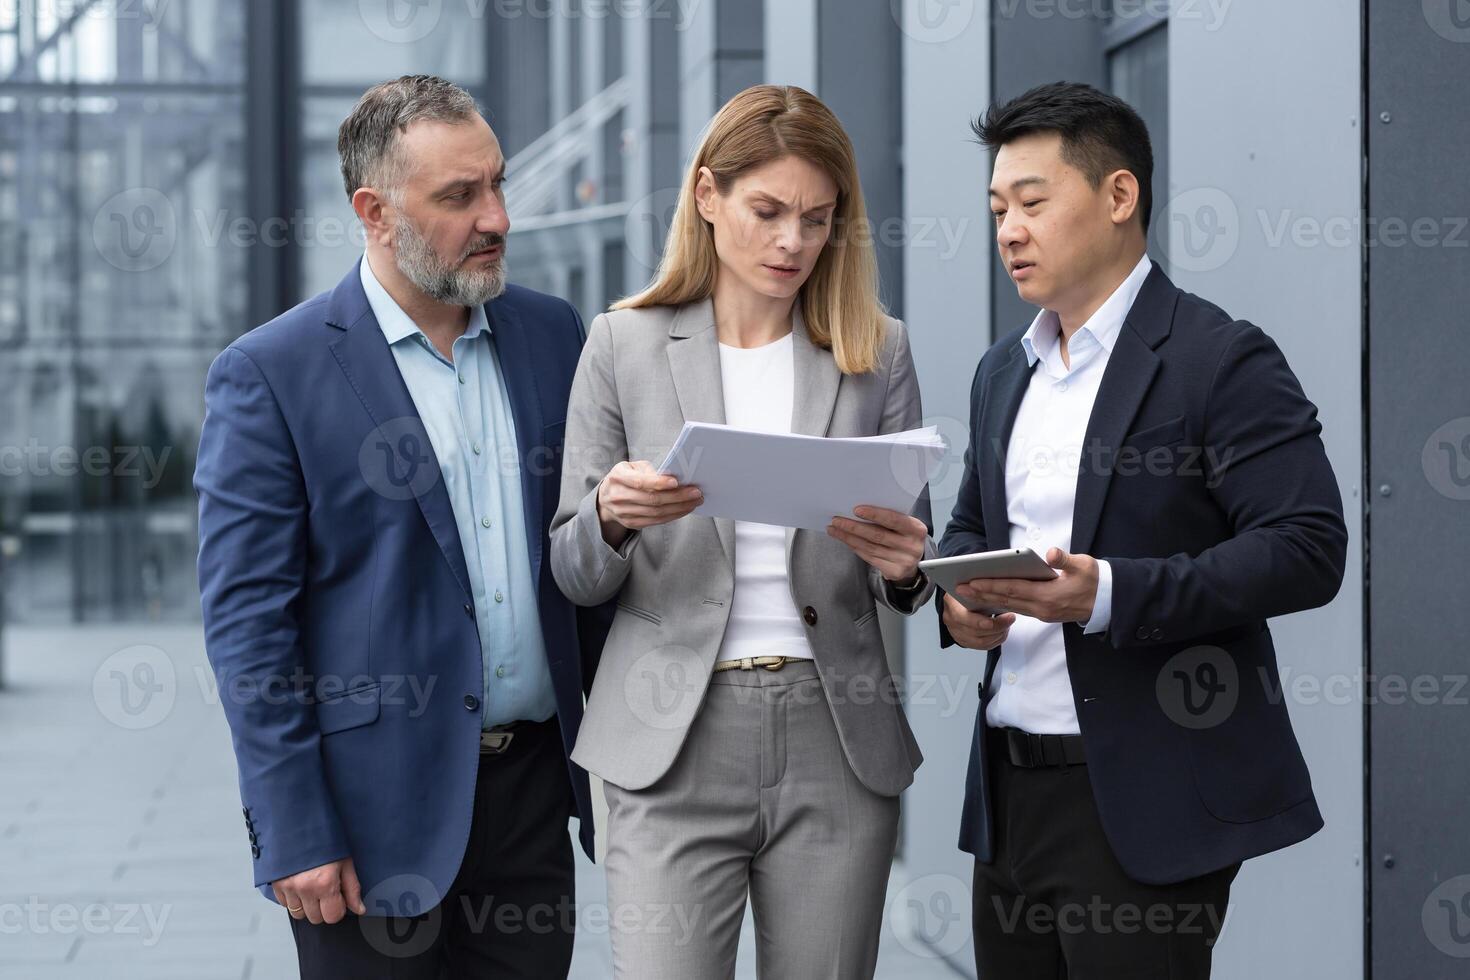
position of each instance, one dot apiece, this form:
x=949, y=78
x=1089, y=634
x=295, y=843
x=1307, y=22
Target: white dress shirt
x=760, y=391
x=1031, y=688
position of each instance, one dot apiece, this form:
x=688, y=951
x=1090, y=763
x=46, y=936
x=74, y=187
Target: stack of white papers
x=801, y=481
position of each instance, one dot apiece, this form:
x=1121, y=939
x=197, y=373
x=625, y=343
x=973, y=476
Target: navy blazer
x=1205, y=484
x=337, y=609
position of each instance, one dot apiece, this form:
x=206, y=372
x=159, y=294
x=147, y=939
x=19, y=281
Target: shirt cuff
x=1102, y=605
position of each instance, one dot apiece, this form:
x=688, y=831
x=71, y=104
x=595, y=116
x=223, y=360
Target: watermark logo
x=1198, y=688
x=397, y=459
x=949, y=472
x=135, y=229
x=933, y=21
x=1450, y=19
x=1446, y=917
x=647, y=224
x=1446, y=459
x=1199, y=230
x=931, y=915
x=400, y=21
x=404, y=916
x=135, y=688
x=663, y=686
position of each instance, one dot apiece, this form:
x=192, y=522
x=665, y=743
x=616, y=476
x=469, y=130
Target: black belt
x=1030, y=751
x=497, y=739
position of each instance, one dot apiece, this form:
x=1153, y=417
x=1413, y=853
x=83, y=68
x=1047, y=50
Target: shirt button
x=498, y=596
x=484, y=522
x=1034, y=533
x=1011, y=677
x=1061, y=386
x=471, y=702
x=461, y=379
x=499, y=671
x=476, y=448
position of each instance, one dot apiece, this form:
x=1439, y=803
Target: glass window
x=121, y=190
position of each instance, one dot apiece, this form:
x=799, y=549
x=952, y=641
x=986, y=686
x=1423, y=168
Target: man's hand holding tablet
x=984, y=592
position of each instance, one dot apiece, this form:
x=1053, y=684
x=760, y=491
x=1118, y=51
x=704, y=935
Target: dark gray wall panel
x=1418, y=132
x=1030, y=45
x=858, y=77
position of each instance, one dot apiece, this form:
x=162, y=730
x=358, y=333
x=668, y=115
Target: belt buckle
x=494, y=743
x=780, y=662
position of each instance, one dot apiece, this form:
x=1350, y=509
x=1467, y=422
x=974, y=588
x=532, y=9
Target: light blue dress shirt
x=466, y=410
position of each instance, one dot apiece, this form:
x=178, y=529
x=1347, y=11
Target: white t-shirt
x=760, y=389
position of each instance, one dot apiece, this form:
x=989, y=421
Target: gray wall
x=949, y=249
x=1419, y=448
x=1280, y=143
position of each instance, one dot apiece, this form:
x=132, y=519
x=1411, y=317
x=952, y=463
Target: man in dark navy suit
x=403, y=681
x=1129, y=753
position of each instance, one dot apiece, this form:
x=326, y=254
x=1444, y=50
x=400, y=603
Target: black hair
x=1100, y=132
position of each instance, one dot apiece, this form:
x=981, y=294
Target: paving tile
x=141, y=825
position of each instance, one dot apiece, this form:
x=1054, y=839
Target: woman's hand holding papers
x=634, y=495
x=890, y=541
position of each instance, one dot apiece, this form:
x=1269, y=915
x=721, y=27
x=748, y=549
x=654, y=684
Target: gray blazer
x=641, y=375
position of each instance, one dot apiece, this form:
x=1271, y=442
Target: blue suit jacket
x=337, y=606
x=1205, y=484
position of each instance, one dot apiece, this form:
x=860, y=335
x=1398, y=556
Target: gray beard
x=449, y=284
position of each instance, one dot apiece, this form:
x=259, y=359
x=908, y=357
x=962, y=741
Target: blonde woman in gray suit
x=743, y=719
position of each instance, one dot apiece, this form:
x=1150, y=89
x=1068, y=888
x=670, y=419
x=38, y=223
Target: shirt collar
x=395, y=323
x=1103, y=326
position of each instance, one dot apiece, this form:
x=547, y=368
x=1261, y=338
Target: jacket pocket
x=866, y=618
x=1164, y=434
x=350, y=709
x=653, y=618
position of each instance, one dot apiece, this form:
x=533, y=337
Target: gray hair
x=367, y=140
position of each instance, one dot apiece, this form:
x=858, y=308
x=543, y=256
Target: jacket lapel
x=519, y=369
x=997, y=417
x=1131, y=369
x=817, y=380
x=694, y=363
x=365, y=358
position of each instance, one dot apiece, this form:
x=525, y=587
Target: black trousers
x=510, y=912
x=1054, y=904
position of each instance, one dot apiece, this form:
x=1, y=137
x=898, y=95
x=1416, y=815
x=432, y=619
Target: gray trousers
x=760, y=802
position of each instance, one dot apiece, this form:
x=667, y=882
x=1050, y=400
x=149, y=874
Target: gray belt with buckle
x=494, y=741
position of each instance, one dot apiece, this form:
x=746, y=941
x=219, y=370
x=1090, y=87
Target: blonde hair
x=839, y=302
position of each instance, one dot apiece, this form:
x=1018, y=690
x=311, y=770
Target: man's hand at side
x=321, y=894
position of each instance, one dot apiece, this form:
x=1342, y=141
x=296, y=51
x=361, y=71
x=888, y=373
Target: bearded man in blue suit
x=402, y=679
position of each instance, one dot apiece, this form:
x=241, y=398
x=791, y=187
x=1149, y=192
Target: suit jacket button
x=471, y=702
x=1142, y=633
x=254, y=839
x=810, y=615
x=469, y=610
x=1157, y=634
x=254, y=850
